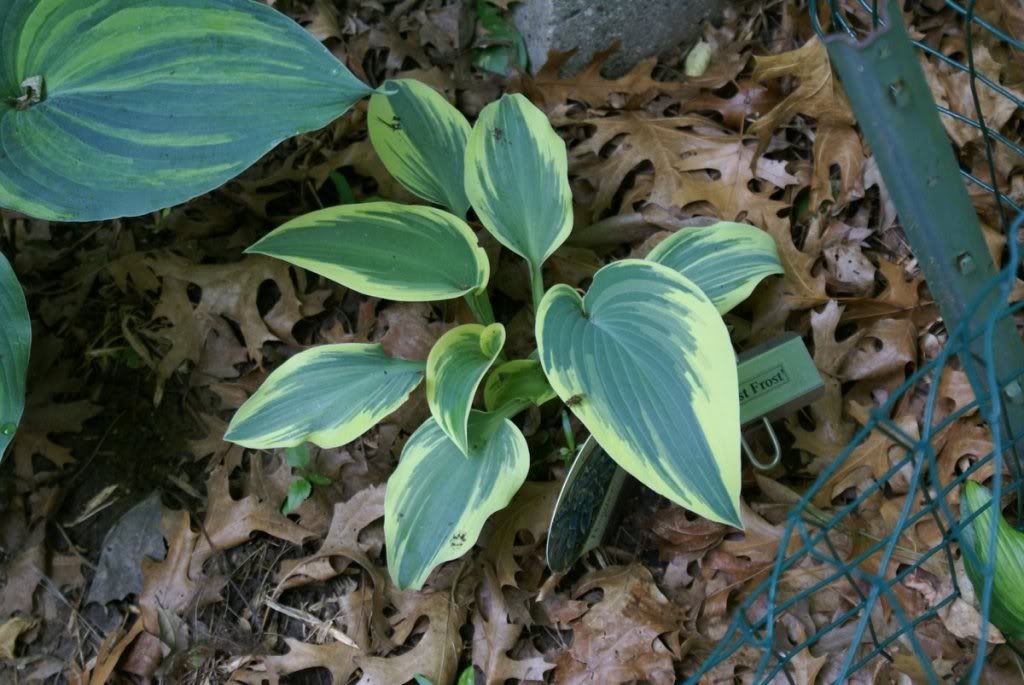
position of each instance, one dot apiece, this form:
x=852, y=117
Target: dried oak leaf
x=817, y=95
x=751, y=98
x=871, y=459
x=967, y=441
x=694, y=160
x=342, y=545
x=953, y=90
x=230, y=522
x=887, y=347
x=548, y=89
x=495, y=634
x=337, y=658
x=619, y=639
x=169, y=584
x=227, y=291
x=436, y=654
x=529, y=511
x=409, y=329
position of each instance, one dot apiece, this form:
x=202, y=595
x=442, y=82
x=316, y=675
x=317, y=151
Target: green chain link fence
x=828, y=546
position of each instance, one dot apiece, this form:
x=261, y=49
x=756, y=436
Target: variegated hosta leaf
x=726, y=260
x=421, y=139
x=15, y=341
x=327, y=395
x=517, y=380
x=384, y=249
x=645, y=362
x=455, y=367
x=516, y=178
x=438, y=499
x=1007, y=599
x=120, y=107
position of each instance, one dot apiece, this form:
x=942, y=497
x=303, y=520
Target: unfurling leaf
x=1007, y=599
x=517, y=380
x=329, y=395
x=455, y=367
x=517, y=178
x=421, y=139
x=438, y=499
x=384, y=249
x=140, y=105
x=725, y=260
x=298, y=492
x=15, y=341
x=645, y=362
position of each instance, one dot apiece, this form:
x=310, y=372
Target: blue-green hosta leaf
x=726, y=260
x=327, y=395
x=516, y=381
x=421, y=139
x=455, y=367
x=120, y=107
x=645, y=362
x=438, y=499
x=15, y=341
x=516, y=178
x=1007, y=599
x=384, y=249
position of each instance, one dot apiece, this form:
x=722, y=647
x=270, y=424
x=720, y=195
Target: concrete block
x=644, y=28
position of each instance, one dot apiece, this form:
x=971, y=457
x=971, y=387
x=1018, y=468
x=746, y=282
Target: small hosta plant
x=643, y=358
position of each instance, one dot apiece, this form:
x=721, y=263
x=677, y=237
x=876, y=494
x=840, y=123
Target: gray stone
x=644, y=28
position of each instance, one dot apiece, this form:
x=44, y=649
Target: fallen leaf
x=230, y=522
x=134, y=537
x=436, y=654
x=169, y=584
x=336, y=658
x=530, y=510
x=619, y=639
x=548, y=89
x=494, y=635
x=817, y=94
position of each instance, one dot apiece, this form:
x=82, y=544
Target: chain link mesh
x=826, y=555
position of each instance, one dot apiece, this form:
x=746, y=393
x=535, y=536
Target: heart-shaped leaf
x=438, y=499
x=120, y=107
x=726, y=260
x=384, y=249
x=327, y=395
x=517, y=178
x=15, y=342
x=1007, y=601
x=455, y=367
x=421, y=139
x=645, y=362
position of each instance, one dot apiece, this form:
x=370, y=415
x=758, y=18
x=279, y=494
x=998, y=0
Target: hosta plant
x=115, y=108
x=643, y=358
